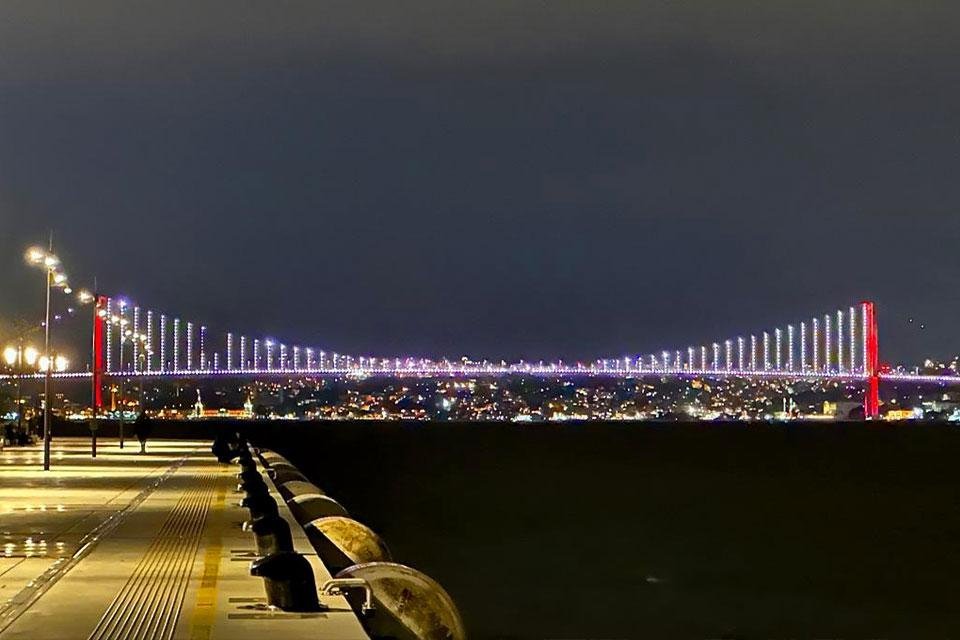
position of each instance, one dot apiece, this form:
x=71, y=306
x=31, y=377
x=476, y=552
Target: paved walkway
x=137, y=546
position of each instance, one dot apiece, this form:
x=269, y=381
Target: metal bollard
x=288, y=581
x=226, y=447
x=272, y=534
x=249, y=475
x=253, y=487
x=247, y=464
x=259, y=505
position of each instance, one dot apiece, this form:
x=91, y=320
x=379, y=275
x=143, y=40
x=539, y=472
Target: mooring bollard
x=259, y=505
x=250, y=476
x=288, y=581
x=253, y=487
x=245, y=458
x=247, y=464
x=226, y=447
x=272, y=534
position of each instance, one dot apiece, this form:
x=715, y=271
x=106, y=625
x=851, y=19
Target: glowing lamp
x=35, y=255
x=30, y=355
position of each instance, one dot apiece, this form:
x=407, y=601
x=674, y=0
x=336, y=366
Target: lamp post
x=13, y=356
x=46, y=260
x=143, y=359
x=48, y=374
x=47, y=365
x=86, y=297
x=59, y=363
x=16, y=357
x=123, y=339
x=125, y=335
x=121, y=323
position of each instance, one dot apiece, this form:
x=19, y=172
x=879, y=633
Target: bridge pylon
x=871, y=361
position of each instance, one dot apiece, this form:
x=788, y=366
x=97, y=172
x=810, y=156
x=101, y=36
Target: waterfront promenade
x=138, y=546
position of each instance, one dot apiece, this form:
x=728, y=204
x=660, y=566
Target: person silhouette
x=142, y=427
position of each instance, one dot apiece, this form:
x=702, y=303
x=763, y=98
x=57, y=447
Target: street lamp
x=16, y=357
x=99, y=314
x=60, y=364
x=121, y=322
x=54, y=277
x=144, y=354
x=125, y=336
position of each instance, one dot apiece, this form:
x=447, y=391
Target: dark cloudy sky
x=493, y=178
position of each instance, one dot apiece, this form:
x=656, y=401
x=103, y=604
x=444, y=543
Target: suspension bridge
x=132, y=340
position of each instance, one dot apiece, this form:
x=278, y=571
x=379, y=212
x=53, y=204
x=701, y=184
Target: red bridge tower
x=871, y=361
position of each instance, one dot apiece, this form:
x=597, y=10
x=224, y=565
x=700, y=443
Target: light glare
x=30, y=355
x=35, y=255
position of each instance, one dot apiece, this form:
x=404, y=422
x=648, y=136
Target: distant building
x=902, y=414
x=841, y=409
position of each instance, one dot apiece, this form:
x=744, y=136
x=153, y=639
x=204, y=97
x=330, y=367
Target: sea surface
x=660, y=530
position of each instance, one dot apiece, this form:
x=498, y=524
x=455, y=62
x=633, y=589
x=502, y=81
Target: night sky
x=501, y=179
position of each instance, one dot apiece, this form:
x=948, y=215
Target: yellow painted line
x=205, y=610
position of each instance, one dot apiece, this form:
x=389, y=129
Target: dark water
x=626, y=531
x=655, y=531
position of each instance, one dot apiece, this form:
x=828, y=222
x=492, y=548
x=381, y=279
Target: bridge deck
x=137, y=546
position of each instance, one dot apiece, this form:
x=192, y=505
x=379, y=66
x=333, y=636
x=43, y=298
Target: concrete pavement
x=138, y=546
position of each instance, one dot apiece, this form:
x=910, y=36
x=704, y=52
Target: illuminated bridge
x=131, y=340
